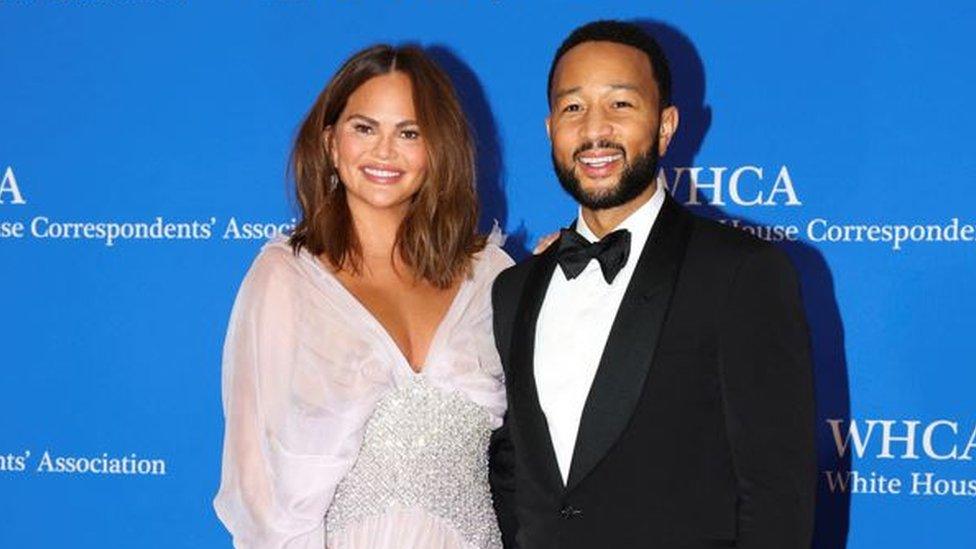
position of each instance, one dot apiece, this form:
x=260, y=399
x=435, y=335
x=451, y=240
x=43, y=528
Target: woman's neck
x=376, y=230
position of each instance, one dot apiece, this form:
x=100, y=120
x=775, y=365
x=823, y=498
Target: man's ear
x=667, y=129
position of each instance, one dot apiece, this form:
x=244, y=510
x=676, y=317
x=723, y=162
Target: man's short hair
x=627, y=34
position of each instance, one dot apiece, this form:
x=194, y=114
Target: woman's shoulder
x=277, y=264
x=493, y=259
x=276, y=255
x=286, y=281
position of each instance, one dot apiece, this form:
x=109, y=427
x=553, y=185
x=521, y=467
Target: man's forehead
x=604, y=64
x=605, y=57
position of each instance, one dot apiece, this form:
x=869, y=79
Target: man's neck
x=603, y=221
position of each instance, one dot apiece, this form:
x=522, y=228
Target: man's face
x=606, y=128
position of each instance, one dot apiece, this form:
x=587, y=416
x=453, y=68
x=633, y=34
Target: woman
x=360, y=378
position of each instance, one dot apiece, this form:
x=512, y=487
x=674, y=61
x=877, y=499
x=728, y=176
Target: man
x=659, y=380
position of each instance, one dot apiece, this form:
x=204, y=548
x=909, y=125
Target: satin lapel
x=629, y=351
x=530, y=420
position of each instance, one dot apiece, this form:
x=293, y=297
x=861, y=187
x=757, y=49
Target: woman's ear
x=328, y=143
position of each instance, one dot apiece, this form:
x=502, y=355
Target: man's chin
x=597, y=189
x=621, y=185
x=598, y=200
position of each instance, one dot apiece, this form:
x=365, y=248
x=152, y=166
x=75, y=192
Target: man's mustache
x=598, y=145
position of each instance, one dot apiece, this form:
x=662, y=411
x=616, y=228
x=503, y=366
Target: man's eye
x=362, y=128
x=622, y=104
x=572, y=107
x=410, y=134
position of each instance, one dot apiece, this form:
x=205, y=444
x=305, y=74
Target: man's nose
x=596, y=127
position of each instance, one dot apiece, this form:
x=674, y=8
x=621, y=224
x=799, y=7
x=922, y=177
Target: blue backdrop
x=143, y=146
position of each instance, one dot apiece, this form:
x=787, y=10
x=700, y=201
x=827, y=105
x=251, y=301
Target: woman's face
x=377, y=147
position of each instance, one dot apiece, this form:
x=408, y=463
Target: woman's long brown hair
x=438, y=236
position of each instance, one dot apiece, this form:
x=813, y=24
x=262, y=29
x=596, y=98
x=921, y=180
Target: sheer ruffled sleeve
x=470, y=361
x=284, y=452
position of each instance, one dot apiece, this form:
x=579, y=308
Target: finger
x=545, y=242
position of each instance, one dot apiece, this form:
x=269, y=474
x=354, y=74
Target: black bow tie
x=575, y=253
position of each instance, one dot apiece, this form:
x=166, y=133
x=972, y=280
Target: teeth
x=599, y=160
x=380, y=173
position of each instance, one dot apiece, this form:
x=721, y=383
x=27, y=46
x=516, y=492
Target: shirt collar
x=639, y=223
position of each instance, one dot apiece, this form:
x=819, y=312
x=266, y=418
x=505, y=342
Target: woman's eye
x=410, y=134
x=362, y=128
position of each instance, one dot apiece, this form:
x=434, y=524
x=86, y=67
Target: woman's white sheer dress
x=331, y=438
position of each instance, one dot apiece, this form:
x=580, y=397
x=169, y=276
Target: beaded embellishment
x=423, y=447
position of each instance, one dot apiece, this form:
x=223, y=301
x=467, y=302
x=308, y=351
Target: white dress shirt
x=572, y=329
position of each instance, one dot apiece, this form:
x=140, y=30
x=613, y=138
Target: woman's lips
x=381, y=174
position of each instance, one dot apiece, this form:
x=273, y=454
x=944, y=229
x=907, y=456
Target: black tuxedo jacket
x=698, y=429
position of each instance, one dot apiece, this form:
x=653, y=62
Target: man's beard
x=636, y=177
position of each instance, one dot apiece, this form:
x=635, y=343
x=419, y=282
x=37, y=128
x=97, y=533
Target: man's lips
x=598, y=164
x=381, y=174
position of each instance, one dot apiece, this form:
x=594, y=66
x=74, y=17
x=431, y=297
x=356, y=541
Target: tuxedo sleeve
x=501, y=452
x=501, y=476
x=767, y=389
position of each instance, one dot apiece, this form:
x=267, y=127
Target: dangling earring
x=333, y=182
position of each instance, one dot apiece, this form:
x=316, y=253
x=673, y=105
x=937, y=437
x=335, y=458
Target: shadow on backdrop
x=490, y=168
x=816, y=280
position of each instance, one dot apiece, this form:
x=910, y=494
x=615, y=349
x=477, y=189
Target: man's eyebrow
x=624, y=86
x=562, y=93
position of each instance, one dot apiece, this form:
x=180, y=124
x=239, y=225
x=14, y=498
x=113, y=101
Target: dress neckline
x=381, y=331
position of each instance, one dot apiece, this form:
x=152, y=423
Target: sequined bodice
x=423, y=447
